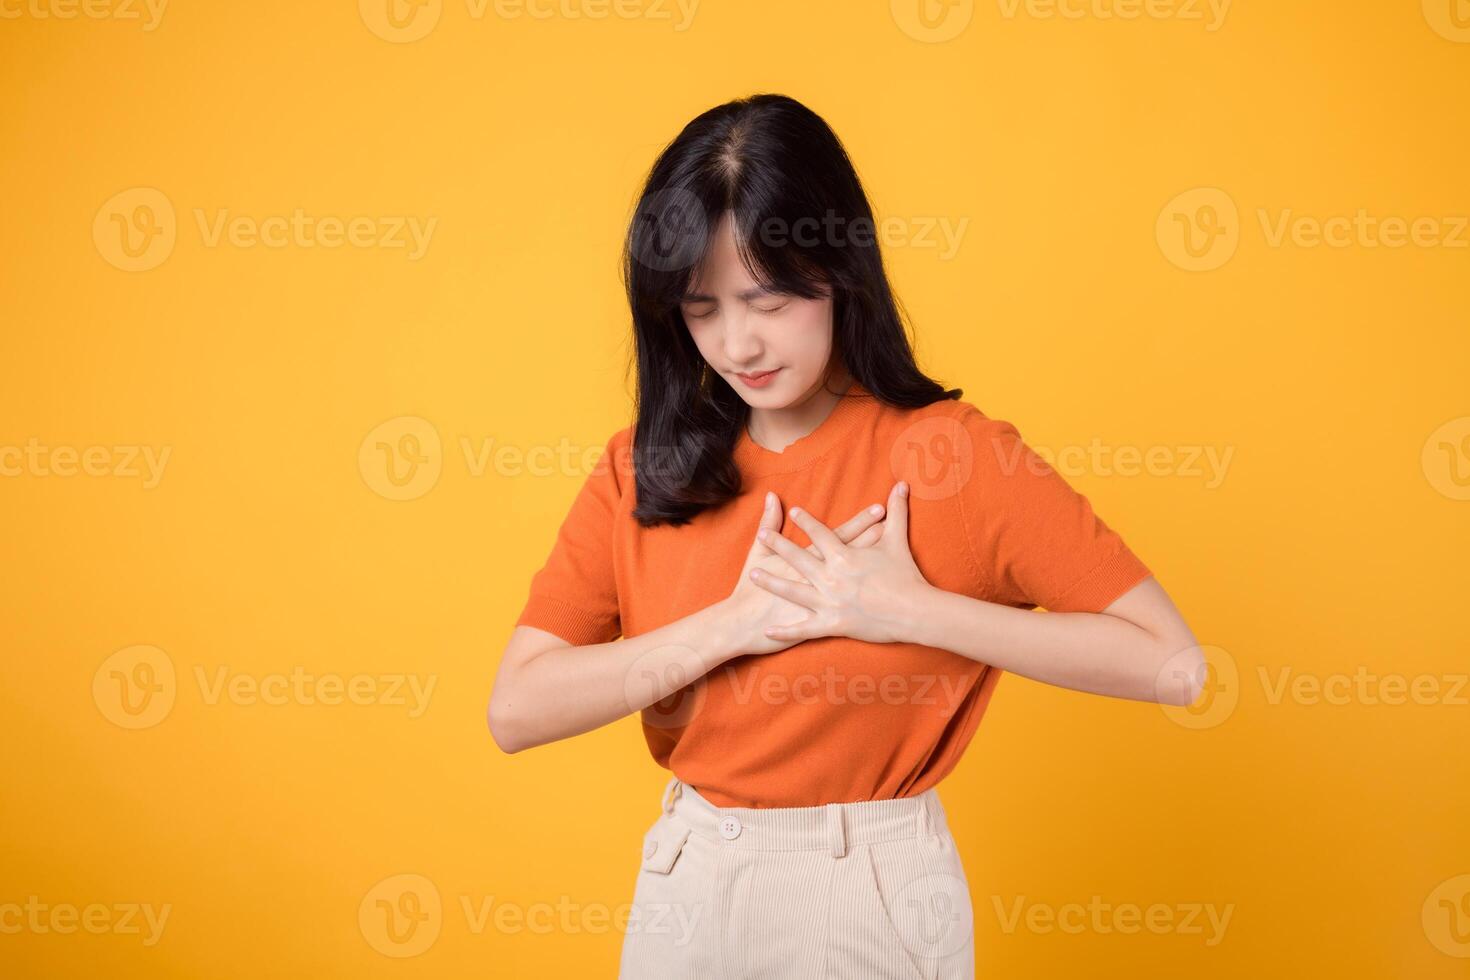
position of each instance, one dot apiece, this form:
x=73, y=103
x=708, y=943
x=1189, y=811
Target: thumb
x=771, y=520
x=896, y=526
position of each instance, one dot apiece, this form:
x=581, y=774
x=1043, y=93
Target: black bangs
x=802, y=226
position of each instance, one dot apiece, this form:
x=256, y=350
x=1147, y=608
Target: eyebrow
x=747, y=295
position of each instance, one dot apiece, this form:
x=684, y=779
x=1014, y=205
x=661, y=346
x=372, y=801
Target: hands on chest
x=854, y=580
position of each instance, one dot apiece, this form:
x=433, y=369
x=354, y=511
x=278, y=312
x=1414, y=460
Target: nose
x=742, y=346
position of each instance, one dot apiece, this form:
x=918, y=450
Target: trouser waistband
x=833, y=826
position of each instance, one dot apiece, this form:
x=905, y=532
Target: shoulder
x=952, y=448
x=615, y=461
x=953, y=425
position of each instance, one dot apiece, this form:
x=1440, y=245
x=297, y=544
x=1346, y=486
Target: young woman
x=807, y=564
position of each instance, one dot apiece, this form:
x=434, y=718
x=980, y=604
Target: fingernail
x=770, y=499
x=795, y=511
x=875, y=509
x=903, y=488
x=763, y=533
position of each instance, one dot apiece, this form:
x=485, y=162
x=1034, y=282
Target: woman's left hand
x=865, y=593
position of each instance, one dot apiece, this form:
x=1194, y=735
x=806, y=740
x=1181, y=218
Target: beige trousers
x=846, y=891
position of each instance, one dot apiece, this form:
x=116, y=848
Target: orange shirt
x=833, y=720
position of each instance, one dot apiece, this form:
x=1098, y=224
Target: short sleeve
x=574, y=594
x=1035, y=540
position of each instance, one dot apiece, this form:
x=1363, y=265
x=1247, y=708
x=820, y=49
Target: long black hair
x=802, y=226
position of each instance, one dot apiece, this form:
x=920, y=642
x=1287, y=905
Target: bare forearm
x=1094, y=652
x=570, y=690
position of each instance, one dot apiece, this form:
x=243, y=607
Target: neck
x=777, y=428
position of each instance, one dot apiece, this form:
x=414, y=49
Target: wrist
x=718, y=634
x=917, y=615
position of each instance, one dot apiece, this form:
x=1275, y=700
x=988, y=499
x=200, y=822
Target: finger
x=797, y=592
x=770, y=519
x=798, y=558
x=856, y=525
x=827, y=542
x=796, y=632
x=869, y=537
x=897, y=531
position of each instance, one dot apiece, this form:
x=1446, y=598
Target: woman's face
x=743, y=330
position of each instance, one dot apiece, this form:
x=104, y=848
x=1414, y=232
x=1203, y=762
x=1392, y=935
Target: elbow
x=1181, y=680
x=508, y=733
x=505, y=735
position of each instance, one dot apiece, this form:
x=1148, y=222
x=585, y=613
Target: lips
x=758, y=380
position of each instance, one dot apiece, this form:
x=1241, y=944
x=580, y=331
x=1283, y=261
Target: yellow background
x=1334, y=545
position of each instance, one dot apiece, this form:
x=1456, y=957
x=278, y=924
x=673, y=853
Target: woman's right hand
x=750, y=608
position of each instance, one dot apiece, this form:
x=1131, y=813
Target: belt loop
x=672, y=792
x=925, y=815
x=835, y=835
